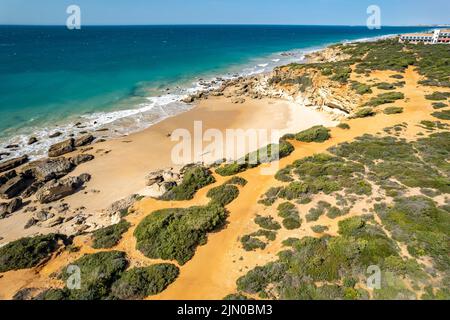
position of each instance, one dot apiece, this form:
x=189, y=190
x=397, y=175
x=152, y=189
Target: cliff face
x=315, y=89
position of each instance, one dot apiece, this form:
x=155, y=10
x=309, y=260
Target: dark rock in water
x=84, y=140
x=13, y=163
x=32, y=140
x=188, y=99
x=3, y=155
x=8, y=208
x=102, y=130
x=61, y=148
x=55, y=190
x=81, y=158
x=13, y=187
x=55, y=135
x=12, y=146
x=48, y=169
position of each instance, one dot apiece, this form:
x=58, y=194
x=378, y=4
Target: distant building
x=437, y=36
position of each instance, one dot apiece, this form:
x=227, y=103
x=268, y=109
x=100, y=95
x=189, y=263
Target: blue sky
x=330, y=12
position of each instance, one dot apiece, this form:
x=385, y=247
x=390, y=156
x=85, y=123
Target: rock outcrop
x=84, y=140
x=8, y=208
x=57, y=189
x=48, y=169
x=61, y=148
x=13, y=163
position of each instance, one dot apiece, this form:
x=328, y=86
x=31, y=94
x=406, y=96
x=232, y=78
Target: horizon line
x=222, y=24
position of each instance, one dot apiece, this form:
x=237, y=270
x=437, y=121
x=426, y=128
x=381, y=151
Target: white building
x=437, y=36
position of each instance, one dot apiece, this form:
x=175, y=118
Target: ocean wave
x=153, y=110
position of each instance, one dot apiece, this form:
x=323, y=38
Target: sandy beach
x=120, y=165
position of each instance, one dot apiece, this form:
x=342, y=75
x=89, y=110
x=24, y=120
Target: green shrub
x=314, y=134
x=438, y=96
x=290, y=215
x=344, y=126
x=319, y=229
x=250, y=243
x=364, y=113
x=194, y=179
x=28, y=252
x=397, y=76
x=224, y=194
x=236, y=297
x=267, y=223
x=443, y=115
x=417, y=222
x=393, y=110
x=139, y=283
x=237, y=181
x=385, y=86
x=98, y=273
x=439, y=105
x=110, y=236
x=174, y=234
x=361, y=88
x=272, y=152
x=385, y=98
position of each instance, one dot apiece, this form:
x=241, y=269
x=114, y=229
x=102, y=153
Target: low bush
x=319, y=229
x=250, y=243
x=174, y=234
x=443, y=115
x=385, y=86
x=237, y=181
x=314, y=134
x=393, y=110
x=194, y=179
x=290, y=215
x=344, y=126
x=364, y=113
x=439, y=105
x=361, y=88
x=28, y=252
x=224, y=194
x=385, y=98
x=110, y=236
x=272, y=152
x=139, y=283
x=436, y=96
x=98, y=273
x=267, y=223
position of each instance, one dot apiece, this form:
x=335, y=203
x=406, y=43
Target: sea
x=126, y=78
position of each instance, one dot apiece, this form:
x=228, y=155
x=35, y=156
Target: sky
x=301, y=12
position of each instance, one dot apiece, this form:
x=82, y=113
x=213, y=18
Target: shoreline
x=123, y=125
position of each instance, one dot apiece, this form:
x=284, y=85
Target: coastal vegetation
x=267, y=223
x=393, y=110
x=223, y=194
x=314, y=134
x=254, y=159
x=194, y=179
x=138, y=283
x=28, y=252
x=174, y=234
x=108, y=237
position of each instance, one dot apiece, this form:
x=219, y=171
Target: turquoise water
x=50, y=76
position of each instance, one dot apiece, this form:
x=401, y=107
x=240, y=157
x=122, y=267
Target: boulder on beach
x=8, y=208
x=61, y=148
x=84, y=140
x=55, y=190
x=14, y=186
x=81, y=158
x=55, y=134
x=13, y=163
x=48, y=169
